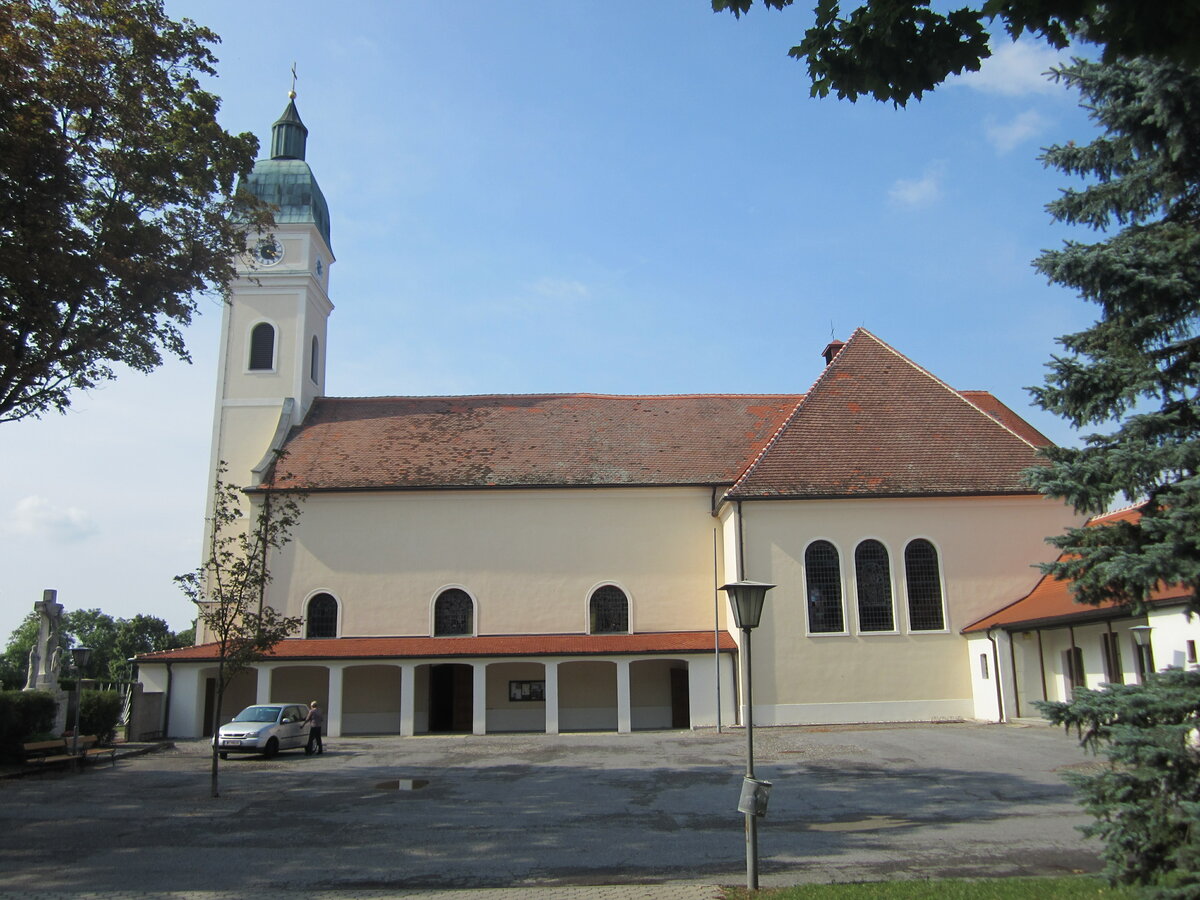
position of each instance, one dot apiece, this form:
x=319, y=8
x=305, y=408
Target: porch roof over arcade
x=348, y=648
x=1052, y=603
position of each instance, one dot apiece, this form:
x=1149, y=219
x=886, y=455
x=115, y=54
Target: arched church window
x=608, y=610
x=873, y=575
x=823, y=577
x=321, y=621
x=312, y=366
x=924, y=582
x=262, y=347
x=453, y=613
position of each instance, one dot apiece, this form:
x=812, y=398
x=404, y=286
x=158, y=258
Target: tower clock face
x=267, y=251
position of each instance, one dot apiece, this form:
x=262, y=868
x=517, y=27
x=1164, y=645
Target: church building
x=550, y=563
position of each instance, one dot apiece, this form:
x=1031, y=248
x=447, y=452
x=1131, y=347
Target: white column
x=479, y=697
x=333, y=722
x=551, y=697
x=408, y=698
x=623, y=716
x=262, y=690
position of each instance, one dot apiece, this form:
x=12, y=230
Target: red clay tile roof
x=488, y=645
x=1052, y=603
x=529, y=440
x=876, y=424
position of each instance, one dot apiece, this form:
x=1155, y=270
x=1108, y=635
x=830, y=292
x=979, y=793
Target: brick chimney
x=832, y=350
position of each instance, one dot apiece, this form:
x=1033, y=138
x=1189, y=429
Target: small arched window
x=321, y=621
x=823, y=576
x=873, y=575
x=453, y=613
x=262, y=347
x=313, y=365
x=924, y=582
x=608, y=611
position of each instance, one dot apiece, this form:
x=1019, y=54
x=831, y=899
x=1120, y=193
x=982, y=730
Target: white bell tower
x=273, y=329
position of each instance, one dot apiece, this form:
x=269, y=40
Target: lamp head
x=1141, y=635
x=80, y=657
x=747, y=598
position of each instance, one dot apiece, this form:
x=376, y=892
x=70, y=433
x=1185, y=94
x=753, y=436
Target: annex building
x=551, y=562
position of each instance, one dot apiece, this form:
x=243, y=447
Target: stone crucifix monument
x=45, y=659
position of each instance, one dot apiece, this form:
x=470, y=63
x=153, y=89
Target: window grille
x=609, y=609
x=321, y=621
x=873, y=574
x=924, y=586
x=262, y=347
x=823, y=575
x=452, y=613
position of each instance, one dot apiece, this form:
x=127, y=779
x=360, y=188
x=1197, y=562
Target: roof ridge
x=957, y=393
x=582, y=394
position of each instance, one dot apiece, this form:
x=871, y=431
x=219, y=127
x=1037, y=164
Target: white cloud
x=914, y=193
x=561, y=289
x=1004, y=136
x=1015, y=69
x=36, y=516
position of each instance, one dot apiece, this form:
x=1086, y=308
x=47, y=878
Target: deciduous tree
x=229, y=587
x=117, y=193
x=898, y=49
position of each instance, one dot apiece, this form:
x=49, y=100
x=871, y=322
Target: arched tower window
x=453, y=613
x=262, y=347
x=321, y=621
x=313, y=364
x=823, y=576
x=924, y=583
x=873, y=575
x=608, y=611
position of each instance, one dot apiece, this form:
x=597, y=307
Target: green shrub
x=99, y=713
x=23, y=716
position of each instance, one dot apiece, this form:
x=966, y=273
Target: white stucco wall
x=529, y=558
x=986, y=549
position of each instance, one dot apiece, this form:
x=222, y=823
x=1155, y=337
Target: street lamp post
x=747, y=598
x=80, y=657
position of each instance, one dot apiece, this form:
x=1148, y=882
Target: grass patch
x=1066, y=888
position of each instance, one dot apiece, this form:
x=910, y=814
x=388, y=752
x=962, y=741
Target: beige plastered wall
x=528, y=558
x=986, y=548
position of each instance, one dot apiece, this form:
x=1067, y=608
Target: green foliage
x=113, y=642
x=898, y=49
x=99, y=713
x=23, y=715
x=1138, y=367
x=229, y=588
x=1147, y=801
x=117, y=193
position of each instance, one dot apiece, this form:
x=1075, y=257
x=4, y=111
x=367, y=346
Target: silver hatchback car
x=264, y=728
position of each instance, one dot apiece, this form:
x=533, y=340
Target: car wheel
x=223, y=755
x=271, y=749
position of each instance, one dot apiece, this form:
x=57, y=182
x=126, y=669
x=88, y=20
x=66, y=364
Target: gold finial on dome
x=292, y=92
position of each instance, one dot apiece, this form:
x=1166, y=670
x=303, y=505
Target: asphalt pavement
x=595, y=816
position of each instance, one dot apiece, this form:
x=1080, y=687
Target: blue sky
x=615, y=197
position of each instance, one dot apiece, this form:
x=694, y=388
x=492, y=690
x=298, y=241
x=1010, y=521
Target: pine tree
x=1135, y=373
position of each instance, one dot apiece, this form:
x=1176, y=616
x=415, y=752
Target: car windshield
x=257, y=714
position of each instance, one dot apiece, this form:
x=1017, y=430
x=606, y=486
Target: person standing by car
x=315, y=721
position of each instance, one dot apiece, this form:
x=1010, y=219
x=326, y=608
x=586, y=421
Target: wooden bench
x=89, y=750
x=42, y=754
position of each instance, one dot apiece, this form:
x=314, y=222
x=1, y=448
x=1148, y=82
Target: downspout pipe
x=167, y=705
x=996, y=670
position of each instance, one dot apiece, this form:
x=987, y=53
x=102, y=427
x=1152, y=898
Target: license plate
x=230, y=743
